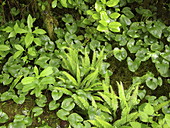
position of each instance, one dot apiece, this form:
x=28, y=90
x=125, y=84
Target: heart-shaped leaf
x=120, y=54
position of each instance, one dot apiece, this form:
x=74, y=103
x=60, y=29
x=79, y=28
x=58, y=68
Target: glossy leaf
x=53, y=105
x=37, y=111
x=67, y=104
x=64, y=3
x=152, y=83
x=112, y=3
x=74, y=118
x=3, y=117
x=114, y=26
x=56, y=95
x=120, y=54
x=62, y=114
x=54, y=3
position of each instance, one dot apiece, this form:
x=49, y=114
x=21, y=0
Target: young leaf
x=72, y=79
x=46, y=72
x=27, y=80
x=19, y=47
x=4, y=47
x=28, y=39
x=114, y=26
x=112, y=3
x=17, y=29
x=30, y=22
x=39, y=31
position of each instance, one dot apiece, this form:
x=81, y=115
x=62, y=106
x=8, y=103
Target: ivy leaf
x=68, y=104
x=62, y=114
x=4, y=117
x=133, y=65
x=46, y=72
x=74, y=119
x=53, y=105
x=39, y=31
x=152, y=83
x=112, y=3
x=4, y=47
x=120, y=54
x=37, y=111
x=56, y=95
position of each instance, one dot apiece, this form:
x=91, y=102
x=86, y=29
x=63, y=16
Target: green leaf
x=167, y=118
x=37, y=41
x=48, y=80
x=68, y=104
x=148, y=109
x=138, y=125
x=56, y=94
x=102, y=28
x=19, y=100
x=71, y=28
x=30, y=22
x=162, y=67
x=114, y=15
x=133, y=65
x=112, y=3
x=64, y=90
x=53, y=105
x=120, y=54
x=37, y=111
x=39, y=31
x=54, y=3
x=3, y=117
x=62, y=114
x=125, y=20
x=28, y=39
x=28, y=87
x=8, y=29
x=46, y=72
x=152, y=83
x=28, y=80
x=98, y=6
x=19, y=47
x=4, y=47
x=71, y=78
x=63, y=3
x=103, y=1
x=114, y=26
x=104, y=16
x=17, y=29
x=74, y=119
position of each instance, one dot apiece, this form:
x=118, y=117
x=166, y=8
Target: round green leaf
x=120, y=54
x=53, y=105
x=152, y=83
x=68, y=104
x=37, y=111
x=112, y=3
x=3, y=117
x=62, y=114
x=56, y=95
x=114, y=26
x=74, y=119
